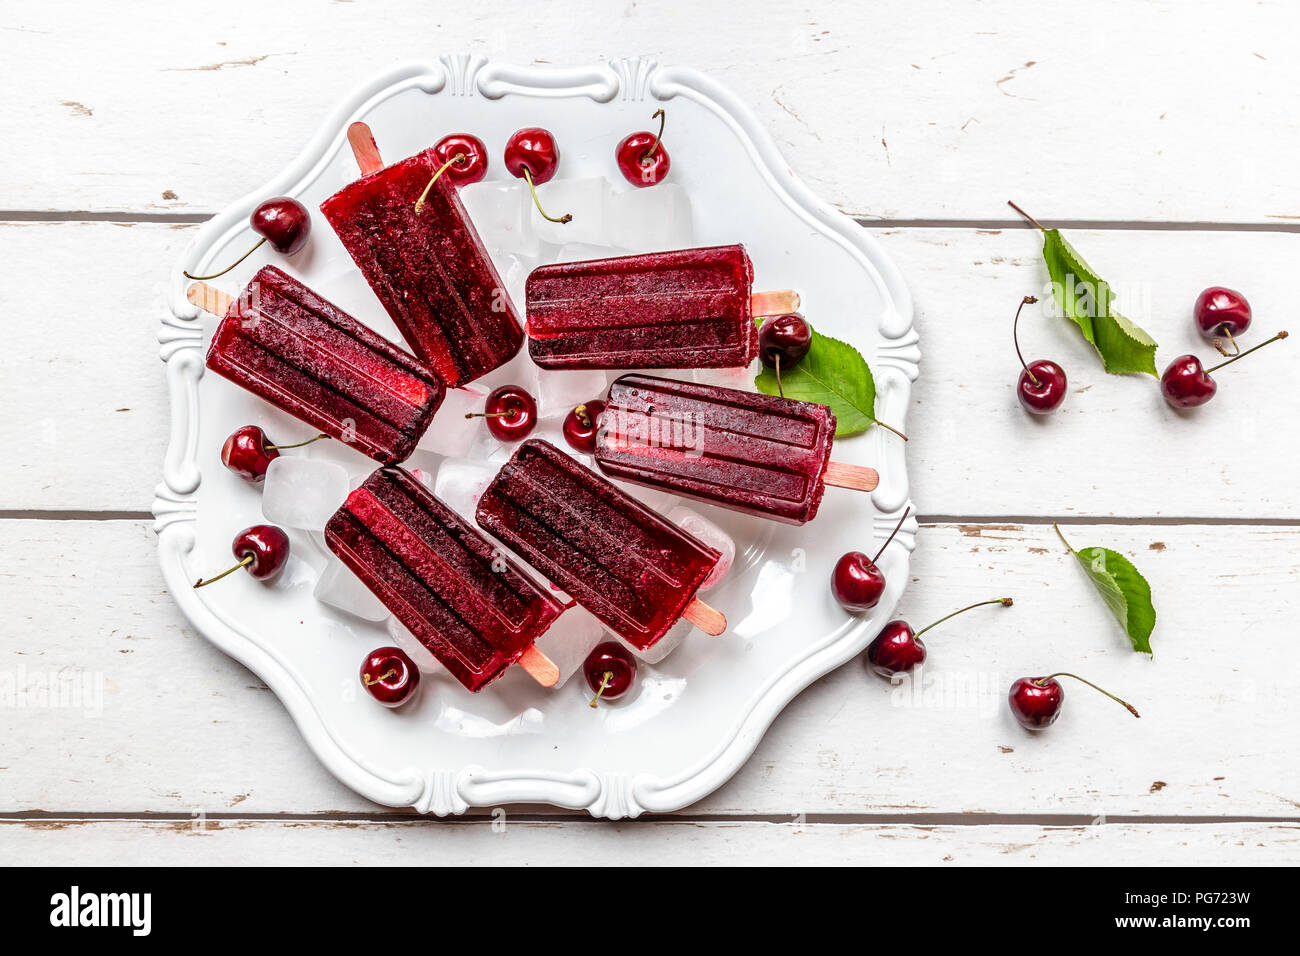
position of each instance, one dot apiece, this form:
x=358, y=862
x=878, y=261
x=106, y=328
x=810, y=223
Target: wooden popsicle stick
x=709, y=620
x=778, y=302
x=857, y=477
x=540, y=667
x=364, y=149
x=208, y=298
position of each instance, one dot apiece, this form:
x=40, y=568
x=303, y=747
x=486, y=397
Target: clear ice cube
x=461, y=483
x=694, y=523
x=569, y=640
x=498, y=212
x=583, y=199
x=340, y=588
x=558, y=392
x=303, y=492
x=654, y=219
x=451, y=434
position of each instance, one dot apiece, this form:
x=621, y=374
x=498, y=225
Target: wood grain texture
x=209, y=842
x=973, y=450
x=897, y=109
x=182, y=729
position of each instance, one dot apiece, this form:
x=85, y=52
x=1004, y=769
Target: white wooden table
x=1163, y=136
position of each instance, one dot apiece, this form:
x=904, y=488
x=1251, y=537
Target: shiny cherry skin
x=472, y=168
x=1035, y=702
x=1186, y=384
x=533, y=148
x=390, y=676
x=638, y=165
x=610, y=669
x=512, y=413
x=857, y=582
x=1220, y=311
x=896, y=650
x=284, y=222
x=267, y=545
x=787, y=336
x=247, y=454
x=580, y=426
x=1047, y=395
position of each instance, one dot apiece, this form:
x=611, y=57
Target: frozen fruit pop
x=755, y=453
x=690, y=308
x=476, y=611
x=309, y=358
x=427, y=266
x=625, y=564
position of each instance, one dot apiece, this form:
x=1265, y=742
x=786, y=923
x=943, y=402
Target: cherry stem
x=491, y=414
x=1236, y=349
x=1042, y=682
x=297, y=444
x=584, y=415
x=659, y=114
x=1015, y=337
x=890, y=428
x=906, y=511
x=528, y=177
x=203, y=583
x=1239, y=355
x=1040, y=226
x=604, y=685
x=777, y=368
x=387, y=675
x=1062, y=537
x=257, y=245
x=1005, y=602
x=459, y=159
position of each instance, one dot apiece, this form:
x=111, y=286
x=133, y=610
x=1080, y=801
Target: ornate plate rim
x=446, y=791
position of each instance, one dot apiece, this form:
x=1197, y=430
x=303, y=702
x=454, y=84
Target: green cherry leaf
x=1087, y=300
x=833, y=373
x=1123, y=588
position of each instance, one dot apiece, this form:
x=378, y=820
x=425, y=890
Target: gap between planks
x=534, y=814
x=1119, y=225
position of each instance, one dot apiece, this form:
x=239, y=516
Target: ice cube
x=340, y=588
x=692, y=522
x=569, y=640
x=741, y=378
x=498, y=212
x=558, y=392
x=664, y=646
x=514, y=268
x=583, y=199
x=423, y=657
x=654, y=219
x=461, y=483
x=520, y=370
x=582, y=251
x=303, y=492
x=450, y=433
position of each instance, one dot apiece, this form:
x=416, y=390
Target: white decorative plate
x=692, y=719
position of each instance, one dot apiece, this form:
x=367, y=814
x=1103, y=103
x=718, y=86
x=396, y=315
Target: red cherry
x=531, y=155
x=469, y=169
x=262, y=551
x=784, y=340
x=856, y=582
x=1036, y=701
x=1185, y=384
x=580, y=426
x=609, y=670
x=642, y=158
x=1042, y=384
x=510, y=411
x=283, y=222
x=390, y=676
x=1221, y=312
x=247, y=453
x=897, y=648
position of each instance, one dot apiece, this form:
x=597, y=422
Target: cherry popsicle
x=406, y=229
x=689, y=308
x=286, y=344
x=632, y=569
x=759, y=454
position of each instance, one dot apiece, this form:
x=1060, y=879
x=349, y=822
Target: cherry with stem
x=460, y=159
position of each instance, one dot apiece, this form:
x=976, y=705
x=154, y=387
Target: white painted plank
x=341, y=843
x=80, y=350
x=184, y=730
x=891, y=109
